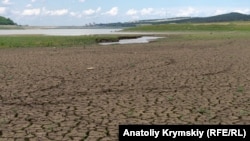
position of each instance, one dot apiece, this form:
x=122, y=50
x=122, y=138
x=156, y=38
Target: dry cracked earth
x=83, y=94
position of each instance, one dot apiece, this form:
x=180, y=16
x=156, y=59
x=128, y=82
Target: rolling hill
x=219, y=18
x=6, y=21
x=229, y=17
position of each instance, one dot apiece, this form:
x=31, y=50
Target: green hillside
x=229, y=17
x=219, y=18
x=6, y=21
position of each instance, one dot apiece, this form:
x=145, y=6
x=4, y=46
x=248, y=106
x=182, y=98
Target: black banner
x=184, y=132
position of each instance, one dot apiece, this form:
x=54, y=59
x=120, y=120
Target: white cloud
x=31, y=12
x=238, y=10
x=89, y=12
x=220, y=11
x=147, y=11
x=98, y=9
x=81, y=0
x=29, y=5
x=2, y=10
x=113, y=11
x=75, y=14
x=243, y=11
x=131, y=12
x=58, y=12
x=187, y=12
x=161, y=12
x=7, y=2
x=33, y=0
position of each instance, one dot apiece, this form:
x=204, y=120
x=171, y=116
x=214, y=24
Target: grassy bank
x=52, y=41
x=232, y=26
x=190, y=36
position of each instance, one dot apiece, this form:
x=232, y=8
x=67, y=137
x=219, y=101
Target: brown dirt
x=65, y=94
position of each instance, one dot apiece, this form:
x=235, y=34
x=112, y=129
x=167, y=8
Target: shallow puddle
x=143, y=39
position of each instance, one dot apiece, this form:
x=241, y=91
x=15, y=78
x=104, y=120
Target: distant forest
x=6, y=21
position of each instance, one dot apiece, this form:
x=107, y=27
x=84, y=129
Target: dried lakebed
x=84, y=94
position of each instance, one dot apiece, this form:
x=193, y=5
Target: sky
x=82, y=12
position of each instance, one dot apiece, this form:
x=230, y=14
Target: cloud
x=58, y=12
x=33, y=0
x=243, y=11
x=6, y=2
x=112, y=12
x=187, y=12
x=28, y=5
x=98, y=9
x=161, y=12
x=238, y=10
x=131, y=12
x=89, y=12
x=2, y=10
x=75, y=14
x=81, y=0
x=220, y=11
x=147, y=11
x=31, y=12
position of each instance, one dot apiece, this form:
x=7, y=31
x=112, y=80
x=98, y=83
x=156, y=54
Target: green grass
x=240, y=89
x=51, y=41
x=195, y=36
x=184, y=32
x=202, y=111
x=131, y=112
x=170, y=98
x=244, y=112
x=232, y=26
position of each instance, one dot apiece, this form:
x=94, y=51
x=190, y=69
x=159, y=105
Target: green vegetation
x=191, y=36
x=244, y=112
x=232, y=26
x=240, y=89
x=170, y=98
x=6, y=21
x=16, y=41
x=202, y=111
x=131, y=112
x=52, y=41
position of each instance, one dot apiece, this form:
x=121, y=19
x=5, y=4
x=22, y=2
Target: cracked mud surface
x=50, y=94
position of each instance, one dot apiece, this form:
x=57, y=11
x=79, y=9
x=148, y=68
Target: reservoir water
x=78, y=32
x=59, y=32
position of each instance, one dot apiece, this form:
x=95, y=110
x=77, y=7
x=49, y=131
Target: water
x=143, y=39
x=59, y=32
x=78, y=32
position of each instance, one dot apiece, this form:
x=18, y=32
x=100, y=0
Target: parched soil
x=79, y=94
